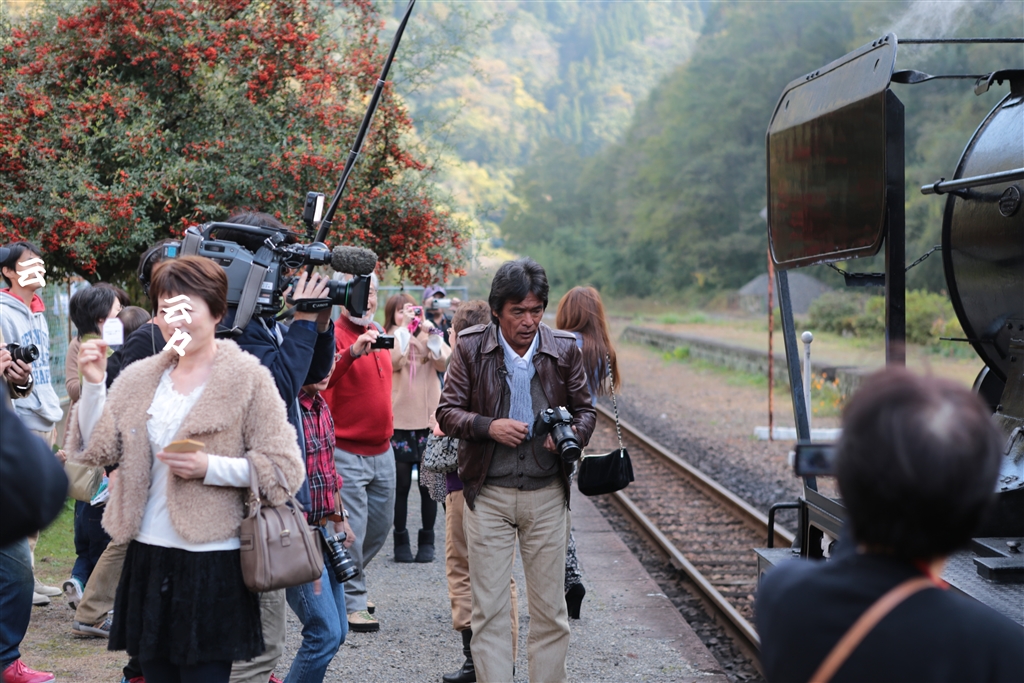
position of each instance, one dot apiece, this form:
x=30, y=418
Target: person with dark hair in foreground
x=516, y=484
x=916, y=467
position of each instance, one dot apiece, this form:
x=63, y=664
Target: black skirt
x=409, y=444
x=187, y=607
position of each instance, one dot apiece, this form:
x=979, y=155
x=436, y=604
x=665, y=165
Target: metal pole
x=803, y=429
x=895, y=234
x=771, y=345
x=807, y=338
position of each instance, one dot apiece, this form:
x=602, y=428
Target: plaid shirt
x=324, y=480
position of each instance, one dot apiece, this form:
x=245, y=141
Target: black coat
x=803, y=609
x=33, y=485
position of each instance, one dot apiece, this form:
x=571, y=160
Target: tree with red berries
x=129, y=120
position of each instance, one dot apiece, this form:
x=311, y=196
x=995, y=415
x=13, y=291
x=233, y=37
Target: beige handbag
x=278, y=550
x=83, y=480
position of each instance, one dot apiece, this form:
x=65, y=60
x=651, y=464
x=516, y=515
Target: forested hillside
x=674, y=206
x=516, y=75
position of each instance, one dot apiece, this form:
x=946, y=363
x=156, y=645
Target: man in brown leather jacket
x=516, y=484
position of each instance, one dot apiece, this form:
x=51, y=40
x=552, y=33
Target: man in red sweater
x=359, y=395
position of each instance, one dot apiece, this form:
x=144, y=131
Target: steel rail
x=678, y=560
x=750, y=516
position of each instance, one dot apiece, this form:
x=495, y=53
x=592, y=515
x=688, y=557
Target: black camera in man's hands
x=342, y=564
x=383, y=341
x=558, y=422
x=28, y=353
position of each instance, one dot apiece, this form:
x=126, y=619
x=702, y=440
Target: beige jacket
x=416, y=388
x=240, y=414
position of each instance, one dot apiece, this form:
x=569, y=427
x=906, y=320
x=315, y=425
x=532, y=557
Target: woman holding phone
x=184, y=427
x=419, y=354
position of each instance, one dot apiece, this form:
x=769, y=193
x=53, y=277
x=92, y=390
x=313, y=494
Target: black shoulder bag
x=611, y=471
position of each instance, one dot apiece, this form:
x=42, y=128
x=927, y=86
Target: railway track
x=706, y=531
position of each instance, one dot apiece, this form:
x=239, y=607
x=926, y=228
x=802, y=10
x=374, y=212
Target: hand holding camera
x=16, y=370
x=561, y=434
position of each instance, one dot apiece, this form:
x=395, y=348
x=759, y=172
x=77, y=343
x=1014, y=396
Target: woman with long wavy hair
x=581, y=312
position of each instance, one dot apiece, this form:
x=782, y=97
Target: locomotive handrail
x=943, y=185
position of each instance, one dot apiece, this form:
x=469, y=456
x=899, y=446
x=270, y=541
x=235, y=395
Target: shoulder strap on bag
x=863, y=626
x=615, y=405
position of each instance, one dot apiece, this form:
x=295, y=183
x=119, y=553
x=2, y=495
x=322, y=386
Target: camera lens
x=565, y=440
x=28, y=354
x=342, y=564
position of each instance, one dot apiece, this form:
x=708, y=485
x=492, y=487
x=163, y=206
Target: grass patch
x=55, y=551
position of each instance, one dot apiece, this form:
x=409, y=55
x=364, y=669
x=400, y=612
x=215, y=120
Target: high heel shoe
x=574, y=598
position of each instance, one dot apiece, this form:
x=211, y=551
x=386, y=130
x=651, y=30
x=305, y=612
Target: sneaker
x=48, y=591
x=100, y=630
x=137, y=679
x=363, y=622
x=275, y=679
x=17, y=672
x=38, y=599
x=370, y=607
x=73, y=592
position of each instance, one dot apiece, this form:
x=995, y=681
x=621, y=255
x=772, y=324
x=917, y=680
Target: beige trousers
x=456, y=567
x=272, y=616
x=100, y=589
x=539, y=519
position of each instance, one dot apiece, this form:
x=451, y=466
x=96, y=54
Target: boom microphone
x=353, y=260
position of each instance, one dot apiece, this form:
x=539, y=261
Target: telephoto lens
x=342, y=564
x=28, y=354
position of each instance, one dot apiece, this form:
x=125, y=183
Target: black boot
x=574, y=598
x=425, y=546
x=467, y=674
x=403, y=553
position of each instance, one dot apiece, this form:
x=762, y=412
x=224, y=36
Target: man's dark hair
x=256, y=219
x=18, y=249
x=90, y=305
x=916, y=464
x=514, y=281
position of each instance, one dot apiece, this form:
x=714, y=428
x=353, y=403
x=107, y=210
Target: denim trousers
x=368, y=492
x=16, y=585
x=324, y=626
x=90, y=540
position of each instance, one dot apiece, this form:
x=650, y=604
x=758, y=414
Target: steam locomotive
x=836, y=186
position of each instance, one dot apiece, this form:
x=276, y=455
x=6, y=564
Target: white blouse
x=166, y=413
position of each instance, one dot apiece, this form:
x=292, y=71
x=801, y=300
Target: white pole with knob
x=807, y=338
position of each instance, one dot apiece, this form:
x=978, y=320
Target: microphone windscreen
x=353, y=260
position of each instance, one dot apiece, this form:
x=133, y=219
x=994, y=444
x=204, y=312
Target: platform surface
x=629, y=630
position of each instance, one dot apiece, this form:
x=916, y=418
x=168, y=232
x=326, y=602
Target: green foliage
x=674, y=207
x=122, y=124
x=929, y=316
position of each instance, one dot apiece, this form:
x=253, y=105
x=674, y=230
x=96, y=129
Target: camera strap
x=191, y=242
x=250, y=292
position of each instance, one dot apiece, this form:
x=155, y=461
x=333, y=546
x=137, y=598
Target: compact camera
x=384, y=341
x=558, y=422
x=28, y=353
x=342, y=564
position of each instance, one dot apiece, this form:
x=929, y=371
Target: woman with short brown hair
x=182, y=606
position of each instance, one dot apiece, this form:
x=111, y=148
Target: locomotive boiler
x=836, y=186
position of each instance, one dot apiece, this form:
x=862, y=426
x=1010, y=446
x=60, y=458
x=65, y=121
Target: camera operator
x=359, y=395
x=916, y=466
x=439, y=309
x=516, y=484
x=296, y=355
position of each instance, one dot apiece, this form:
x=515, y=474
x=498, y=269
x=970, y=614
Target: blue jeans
x=324, y=626
x=90, y=540
x=16, y=584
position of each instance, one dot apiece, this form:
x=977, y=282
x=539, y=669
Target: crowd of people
x=307, y=406
x=171, y=422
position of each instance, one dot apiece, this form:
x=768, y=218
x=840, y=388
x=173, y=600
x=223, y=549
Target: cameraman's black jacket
x=472, y=393
x=296, y=355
